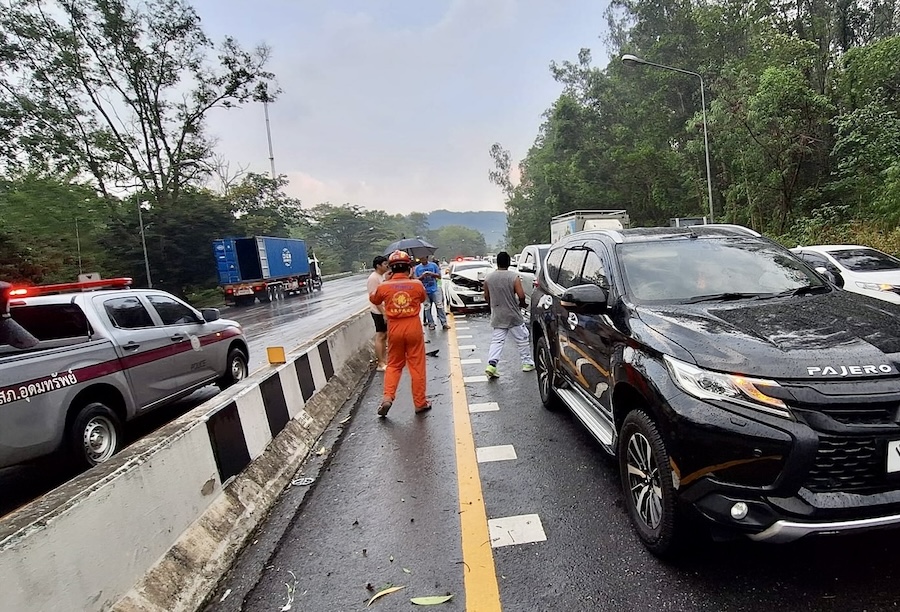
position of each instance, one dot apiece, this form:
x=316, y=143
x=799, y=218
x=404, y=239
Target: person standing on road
x=505, y=297
x=402, y=298
x=429, y=273
x=375, y=279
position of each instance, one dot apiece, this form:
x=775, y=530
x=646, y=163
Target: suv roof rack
x=92, y=285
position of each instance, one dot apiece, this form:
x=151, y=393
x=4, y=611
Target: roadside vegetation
x=803, y=116
x=103, y=108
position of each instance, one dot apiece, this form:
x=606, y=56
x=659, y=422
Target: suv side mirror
x=833, y=278
x=589, y=299
x=12, y=333
x=210, y=314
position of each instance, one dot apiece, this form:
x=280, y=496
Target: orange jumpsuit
x=403, y=298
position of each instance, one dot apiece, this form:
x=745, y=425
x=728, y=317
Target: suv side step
x=598, y=425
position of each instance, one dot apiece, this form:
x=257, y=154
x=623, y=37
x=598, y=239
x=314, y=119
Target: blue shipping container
x=283, y=257
x=226, y=261
x=259, y=258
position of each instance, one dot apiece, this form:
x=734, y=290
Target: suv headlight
x=705, y=384
x=875, y=286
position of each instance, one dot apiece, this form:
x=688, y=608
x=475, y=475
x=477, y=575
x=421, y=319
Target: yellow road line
x=482, y=590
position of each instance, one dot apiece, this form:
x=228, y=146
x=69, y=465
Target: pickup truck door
x=191, y=360
x=142, y=346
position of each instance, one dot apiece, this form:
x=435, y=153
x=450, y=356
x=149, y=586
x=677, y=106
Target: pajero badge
x=852, y=370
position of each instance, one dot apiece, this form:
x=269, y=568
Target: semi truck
x=579, y=220
x=264, y=268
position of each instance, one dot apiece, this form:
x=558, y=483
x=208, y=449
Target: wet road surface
x=289, y=323
x=384, y=510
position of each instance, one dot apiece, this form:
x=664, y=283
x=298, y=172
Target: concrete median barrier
x=156, y=527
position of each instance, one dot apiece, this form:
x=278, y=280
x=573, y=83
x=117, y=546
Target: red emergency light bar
x=106, y=283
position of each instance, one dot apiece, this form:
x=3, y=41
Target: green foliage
x=802, y=114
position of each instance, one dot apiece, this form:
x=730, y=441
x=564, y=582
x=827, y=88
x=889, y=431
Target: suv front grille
x=864, y=414
x=847, y=464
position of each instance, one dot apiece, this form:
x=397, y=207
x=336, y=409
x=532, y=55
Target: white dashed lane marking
x=485, y=407
x=464, y=337
x=510, y=530
x=472, y=361
x=474, y=379
x=462, y=328
x=467, y=347
x=505, y=452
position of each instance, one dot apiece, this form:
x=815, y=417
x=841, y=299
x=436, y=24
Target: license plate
x=478, y=298
x=244, y=292
x=893, y=456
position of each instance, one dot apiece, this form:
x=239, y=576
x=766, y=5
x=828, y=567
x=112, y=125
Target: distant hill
x=491, y=224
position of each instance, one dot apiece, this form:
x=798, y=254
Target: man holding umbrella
x=429, y=273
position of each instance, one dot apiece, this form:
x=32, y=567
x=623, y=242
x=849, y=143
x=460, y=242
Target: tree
x=262, y=208
x=458, y=241
x=50, y=228
x=117, y=89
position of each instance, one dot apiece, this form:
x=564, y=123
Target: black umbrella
x=416, y=247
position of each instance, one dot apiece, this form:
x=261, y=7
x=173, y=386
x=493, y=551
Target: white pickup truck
x=104, y=353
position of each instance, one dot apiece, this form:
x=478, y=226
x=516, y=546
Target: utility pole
x=143, y=241
x=265, y=102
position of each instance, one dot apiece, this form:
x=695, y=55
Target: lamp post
x=144, y=243
x=629, y=60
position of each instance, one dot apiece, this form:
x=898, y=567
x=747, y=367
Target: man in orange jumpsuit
x=403, y=297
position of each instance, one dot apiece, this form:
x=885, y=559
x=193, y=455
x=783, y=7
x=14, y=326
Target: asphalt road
x=289, y=323
x=384, y=510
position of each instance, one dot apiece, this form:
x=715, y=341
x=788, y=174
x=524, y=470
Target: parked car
x=105, y=353
x=731, y=382
x=530, y=261
x=463, y=284
x=856, y=268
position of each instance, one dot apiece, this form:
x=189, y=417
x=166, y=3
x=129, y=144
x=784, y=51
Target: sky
x=394, y=104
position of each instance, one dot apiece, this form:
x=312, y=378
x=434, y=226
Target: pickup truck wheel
x=545, y=374
x=95, y=435
x=647, y=484
x=235, y=369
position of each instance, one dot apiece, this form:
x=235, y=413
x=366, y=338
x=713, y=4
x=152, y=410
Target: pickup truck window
x=554, y=260
x=172, y=312
x=127, y=313
x=52, y=321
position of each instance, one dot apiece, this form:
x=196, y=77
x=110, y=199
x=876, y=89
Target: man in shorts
x=380, y=266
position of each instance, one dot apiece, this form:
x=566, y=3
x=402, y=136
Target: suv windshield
x=684, y=270
x=865, y=260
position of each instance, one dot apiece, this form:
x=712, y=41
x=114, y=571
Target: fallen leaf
x=406, y=570
x=322, y=450
x=345, y=420
x=369, y=586
x=383, y=593
x=225, y=596
x=432, y=600
x=391, y=558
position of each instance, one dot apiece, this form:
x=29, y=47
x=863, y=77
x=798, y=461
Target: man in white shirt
x=376, y=278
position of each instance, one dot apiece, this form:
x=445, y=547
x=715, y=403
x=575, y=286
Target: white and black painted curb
x=155, y=527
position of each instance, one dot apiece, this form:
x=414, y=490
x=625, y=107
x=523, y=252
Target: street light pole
x=144, y=243
x=78, y=242
x=269, y=136
x=629, y=59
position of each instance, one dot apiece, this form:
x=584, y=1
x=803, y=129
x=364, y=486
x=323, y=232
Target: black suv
x=731, y=381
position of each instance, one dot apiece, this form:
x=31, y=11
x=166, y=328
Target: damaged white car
x=463, y=285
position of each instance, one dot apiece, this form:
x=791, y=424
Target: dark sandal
x=424, y=408
x=384, y=407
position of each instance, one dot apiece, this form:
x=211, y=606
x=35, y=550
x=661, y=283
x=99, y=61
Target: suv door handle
x=131, y=346
x=177, y=338
x=573, y=320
